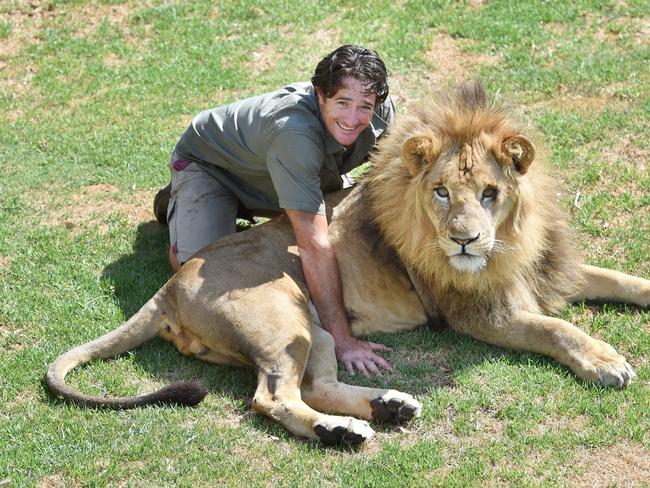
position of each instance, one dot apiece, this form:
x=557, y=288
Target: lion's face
x=467, y=194
x=469, y=198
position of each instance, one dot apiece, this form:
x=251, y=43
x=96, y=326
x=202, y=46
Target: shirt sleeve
x=294, y=160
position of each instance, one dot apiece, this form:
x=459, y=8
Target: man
x=280, y=151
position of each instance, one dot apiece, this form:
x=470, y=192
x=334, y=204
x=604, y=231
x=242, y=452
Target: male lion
x=454, y=224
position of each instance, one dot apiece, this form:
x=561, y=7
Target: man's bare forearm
x=323, y=279
x=324, y=283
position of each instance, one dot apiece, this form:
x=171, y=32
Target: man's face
x=348, y=112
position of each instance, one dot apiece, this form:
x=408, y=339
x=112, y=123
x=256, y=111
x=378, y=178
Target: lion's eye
x=489, y=193
x=442, y=192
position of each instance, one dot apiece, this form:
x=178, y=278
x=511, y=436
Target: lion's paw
x=395, y=407
x=343, y=430
x=605, y=366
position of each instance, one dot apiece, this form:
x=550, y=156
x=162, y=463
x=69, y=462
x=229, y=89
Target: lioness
x=454, y=224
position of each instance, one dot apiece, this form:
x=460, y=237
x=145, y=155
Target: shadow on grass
x=136, y=277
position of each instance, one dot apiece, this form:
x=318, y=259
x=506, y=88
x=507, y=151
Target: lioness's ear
x=417, y=151
x=517, y=150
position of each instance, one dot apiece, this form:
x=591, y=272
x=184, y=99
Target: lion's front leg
x=321, y=389
x=589, y=358
x=609, y=285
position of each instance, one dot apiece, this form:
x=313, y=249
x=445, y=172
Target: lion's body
x=453, y=225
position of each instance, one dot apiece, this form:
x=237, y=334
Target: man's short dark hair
x=351, y=61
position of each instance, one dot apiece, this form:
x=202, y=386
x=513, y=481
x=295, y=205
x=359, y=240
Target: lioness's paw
x=602, y=364
x=343, y=430
x=395, y=407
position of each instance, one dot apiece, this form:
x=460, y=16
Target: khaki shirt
x=278, y=144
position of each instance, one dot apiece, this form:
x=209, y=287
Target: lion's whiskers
x=499, y=247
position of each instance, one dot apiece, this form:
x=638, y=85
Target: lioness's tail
x=143, y=326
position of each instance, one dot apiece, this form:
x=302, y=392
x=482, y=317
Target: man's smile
x=346, y=128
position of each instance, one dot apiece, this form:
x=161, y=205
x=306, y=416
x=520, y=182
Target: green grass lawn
x=93, y=96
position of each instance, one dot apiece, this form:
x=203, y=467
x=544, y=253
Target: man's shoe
x=160, y=203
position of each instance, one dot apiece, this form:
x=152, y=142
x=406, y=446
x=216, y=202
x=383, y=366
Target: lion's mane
x=534, y=250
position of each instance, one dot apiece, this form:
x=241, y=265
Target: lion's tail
x=143, y=326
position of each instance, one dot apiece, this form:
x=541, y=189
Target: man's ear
x=517, y=151
x=418, y=151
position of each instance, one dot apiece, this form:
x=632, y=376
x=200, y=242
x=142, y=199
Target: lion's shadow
x=424, y=361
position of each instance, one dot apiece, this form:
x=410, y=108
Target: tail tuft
x=185, y=394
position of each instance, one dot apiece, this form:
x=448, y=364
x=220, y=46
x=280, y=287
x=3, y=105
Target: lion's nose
x=463, y=241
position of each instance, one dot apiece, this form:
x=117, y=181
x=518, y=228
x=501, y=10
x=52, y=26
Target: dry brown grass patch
x=12, y=340
x=29, y=19
x=447, y=63
x=565, y=101
x=453, y=64
x=91, y=16
x=5, y=263
x=477, y=4
x=327, y=38
x=627, y=152
x=263, y=59
x=624, y=464
x=26, y=21
x=56, y=480
x=642, y=35
x=557, y=424
x=94, y=205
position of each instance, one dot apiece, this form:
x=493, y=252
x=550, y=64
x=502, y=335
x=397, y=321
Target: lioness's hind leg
x=322, y=390
x=607, y=284
x=278, y=396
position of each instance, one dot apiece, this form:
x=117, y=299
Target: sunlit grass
x=93, y=95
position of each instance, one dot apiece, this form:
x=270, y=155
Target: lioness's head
x=450, y=188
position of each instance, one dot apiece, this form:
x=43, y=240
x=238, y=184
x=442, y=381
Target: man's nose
x=351, y=118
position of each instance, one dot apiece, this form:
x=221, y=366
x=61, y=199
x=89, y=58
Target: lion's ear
x=517, y=150
x=417, y=151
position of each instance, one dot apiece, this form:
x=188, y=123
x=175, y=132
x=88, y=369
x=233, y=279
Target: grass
x=93, y=96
